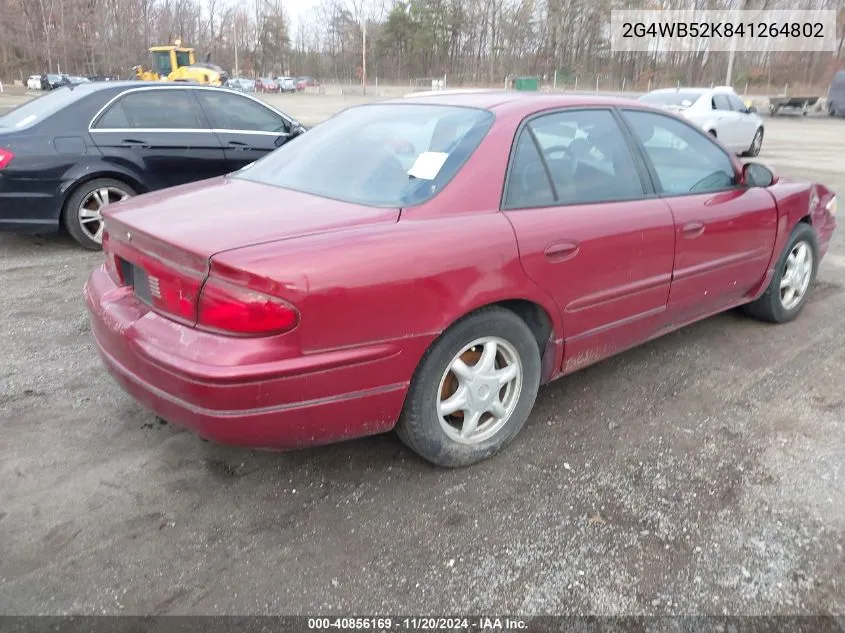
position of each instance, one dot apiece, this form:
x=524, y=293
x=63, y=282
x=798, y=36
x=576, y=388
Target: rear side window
x=228, y=111
x=40, y=108
x=153, y=109
x=579, y=157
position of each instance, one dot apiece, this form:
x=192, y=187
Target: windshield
x=39, y=108
x=682, y=98
x=388, y=155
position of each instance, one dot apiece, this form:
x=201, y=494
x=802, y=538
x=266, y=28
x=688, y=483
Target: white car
x=34, y=82
x=718, y=111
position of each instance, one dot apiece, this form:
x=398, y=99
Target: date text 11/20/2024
x=417, y=624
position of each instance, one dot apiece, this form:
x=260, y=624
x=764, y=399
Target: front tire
x=473, y=390
x=795, y=273
x=82, y=213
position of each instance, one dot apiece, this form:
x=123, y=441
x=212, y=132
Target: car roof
x=526, y=101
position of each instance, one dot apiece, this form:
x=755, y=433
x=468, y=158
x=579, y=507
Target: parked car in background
x=329, y=290
x=33, y=82
x=76, y=80
x=306, y=82
x=68, y=154
x=718, y=111
x=241, y=83
x=266, y=84
x=51, y=81
x=836, y=95
x=286, y=84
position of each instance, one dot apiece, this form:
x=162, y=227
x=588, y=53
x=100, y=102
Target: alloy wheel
x=91, y=210
x=479, y=390
x=796, y=276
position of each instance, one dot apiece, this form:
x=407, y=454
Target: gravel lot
x=701, y=473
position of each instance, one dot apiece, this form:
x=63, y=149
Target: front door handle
x=561, y=251
x=692, y=230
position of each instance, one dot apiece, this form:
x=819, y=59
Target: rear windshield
x=681, y=98
x=39, y=108
x=386, y=155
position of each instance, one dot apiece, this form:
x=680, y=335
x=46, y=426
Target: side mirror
x=757, y=175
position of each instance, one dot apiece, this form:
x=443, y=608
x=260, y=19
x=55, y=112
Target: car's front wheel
x=83, y=211
x=795, y=272
x=756, y=143
x=473, y=390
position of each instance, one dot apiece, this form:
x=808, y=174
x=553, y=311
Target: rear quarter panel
x=404, y=282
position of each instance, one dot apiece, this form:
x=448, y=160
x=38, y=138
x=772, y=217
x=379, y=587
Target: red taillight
x=113, y=267
x=6, y=157
x=234, y=310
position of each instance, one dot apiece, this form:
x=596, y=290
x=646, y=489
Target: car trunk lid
x=201, y=219
x=161, y=243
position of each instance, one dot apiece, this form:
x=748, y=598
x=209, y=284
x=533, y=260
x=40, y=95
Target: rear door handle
x=692, y=230
x=237, y=145
x=134, y=143
x=561, y=251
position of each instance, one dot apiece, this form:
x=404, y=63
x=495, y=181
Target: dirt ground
x=703, y=473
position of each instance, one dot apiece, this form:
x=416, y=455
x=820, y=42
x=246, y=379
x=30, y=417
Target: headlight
x=832, y=206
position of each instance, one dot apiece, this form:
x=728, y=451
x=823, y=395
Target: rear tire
x=82, y=213
x=473, y=390
x=795, y=273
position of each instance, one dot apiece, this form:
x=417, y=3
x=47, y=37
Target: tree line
x=467, y=42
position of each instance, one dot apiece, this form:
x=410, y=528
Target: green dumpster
x=526, y=83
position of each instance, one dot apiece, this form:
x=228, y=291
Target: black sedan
x=67, y=154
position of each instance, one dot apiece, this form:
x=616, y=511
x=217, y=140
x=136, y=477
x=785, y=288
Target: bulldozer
x=178, y=63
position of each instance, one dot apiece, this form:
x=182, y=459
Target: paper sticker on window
x=686, y=103
x=427, y=165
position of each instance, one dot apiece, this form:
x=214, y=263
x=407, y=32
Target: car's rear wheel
x=83, y=211
x=473, y=390
x=795, y=272
x=756, y=143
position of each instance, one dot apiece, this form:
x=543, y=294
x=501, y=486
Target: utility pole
x=235, y=41
x=729, y=74
x=364, y=56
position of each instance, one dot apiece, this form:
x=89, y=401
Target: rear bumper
x=212, y=384
x=26, y=211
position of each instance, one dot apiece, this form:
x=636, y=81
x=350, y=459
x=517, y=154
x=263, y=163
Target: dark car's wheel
x=473, y=389
x=83, y=211
x=756, y=143
x=794, y=274
x=831, y=109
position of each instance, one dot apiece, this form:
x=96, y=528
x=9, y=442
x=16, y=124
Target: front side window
x=387, y=155
x=685, y=160
x=583, y=153
x=736, y=103
x=153, y=109
x=228, y=111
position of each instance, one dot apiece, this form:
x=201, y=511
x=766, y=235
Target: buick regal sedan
x=428, y=263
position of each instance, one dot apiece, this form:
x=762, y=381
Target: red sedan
x=428, y=263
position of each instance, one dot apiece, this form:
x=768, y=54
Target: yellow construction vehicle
x=178, y=63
